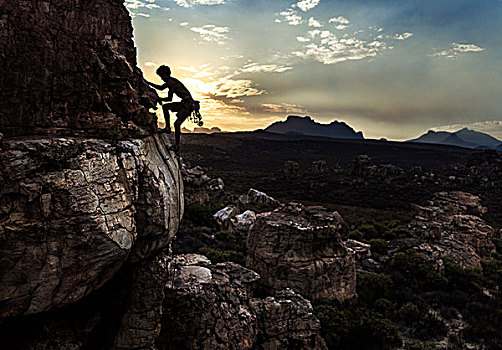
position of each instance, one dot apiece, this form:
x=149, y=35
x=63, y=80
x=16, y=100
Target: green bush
x=372, y=286
x=224, y=236
x=358, y=328
x=378, y=245
x=218, y=256
x=409, y=313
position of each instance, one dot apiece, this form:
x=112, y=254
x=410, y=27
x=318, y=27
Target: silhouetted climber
x=183, y=109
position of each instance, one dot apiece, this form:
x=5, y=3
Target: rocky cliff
x=90, y=196
x=73, y=210
x=69, y=67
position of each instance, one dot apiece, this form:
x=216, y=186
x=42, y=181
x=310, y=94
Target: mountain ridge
x=307, y=126
x=465, y=137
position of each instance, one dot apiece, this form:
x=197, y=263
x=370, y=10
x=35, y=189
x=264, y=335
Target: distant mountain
x=307, y=126
x=463, y=138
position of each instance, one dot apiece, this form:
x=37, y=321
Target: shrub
x=372, y=286
x=218, y=256
x=378, y=246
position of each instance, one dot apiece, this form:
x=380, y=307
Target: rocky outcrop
x=69, y=67
x=198, y=185
x=450, y=225
x=211, y=307
x=90, y=196
x=299, y=247
x=72, y=211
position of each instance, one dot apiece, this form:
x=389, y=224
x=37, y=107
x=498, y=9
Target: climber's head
x=164, y=72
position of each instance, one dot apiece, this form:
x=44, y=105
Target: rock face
x=211, y=307
x=198, y=185
x=72, y=211
x=300, y=248
x=69, y=67
x=451, y=226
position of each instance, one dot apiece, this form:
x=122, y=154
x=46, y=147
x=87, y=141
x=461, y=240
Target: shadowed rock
x=211, y=307
x=72, y=211
x=69, y=67
x=299, y=247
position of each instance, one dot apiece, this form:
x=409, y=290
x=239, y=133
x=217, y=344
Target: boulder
x=450, y=225
x=300, y=247
x=262, y=198
x=211, y=307
x=245, y=220
x=196, y=184
x=224, y=217
x=73, y=210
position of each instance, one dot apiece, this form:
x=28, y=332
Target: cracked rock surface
x=451, y=226
x=69, y=67
x=212, y=307
x=300, y=247
x=73, y=210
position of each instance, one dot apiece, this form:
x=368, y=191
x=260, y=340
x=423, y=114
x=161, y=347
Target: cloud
x=292, y=17
x=150, y=64
x=302, y=39
x=263, y=68
x=339, y=20
x=455, y=50
x=230, y=88
x=212, y=33
x=314, y=23
x=493, y=127
x=306, y=5
x=327, y=48
x=190, y=3
x=136, y=4
x=403, y=36
x=466, y=48
x=283, y=108
x=183, y=24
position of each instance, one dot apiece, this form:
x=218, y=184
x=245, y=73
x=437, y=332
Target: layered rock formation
x=451, y=226
x=299, y=247
x=90, y=195
x=74, y=210
x=211, y=307
x=69, y=67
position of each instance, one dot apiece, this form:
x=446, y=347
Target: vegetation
x=411, y=298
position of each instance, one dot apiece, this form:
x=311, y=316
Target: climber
x=183, y=109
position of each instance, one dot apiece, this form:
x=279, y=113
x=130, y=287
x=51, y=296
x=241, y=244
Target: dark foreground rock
x=300, y=247
x=72, y=211
x=69, y=67
x=212, y=307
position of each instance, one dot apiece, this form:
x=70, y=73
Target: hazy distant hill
x=462, y=138
x=307, y=126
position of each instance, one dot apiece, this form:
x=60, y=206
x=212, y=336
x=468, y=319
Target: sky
x=390, y=68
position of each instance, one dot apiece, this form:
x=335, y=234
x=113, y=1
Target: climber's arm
x=156, y=86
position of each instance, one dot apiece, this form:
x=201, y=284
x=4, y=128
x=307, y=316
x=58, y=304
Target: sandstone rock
x=451, y=226
x=210, y=307
x=261, y=197
x=216, y=185
x=141, y=322
x=69, y=68
x=195, y=183
x=300, y=248
x=245, y=220
x=73, y=210
x=287, y=311
x=224, y=216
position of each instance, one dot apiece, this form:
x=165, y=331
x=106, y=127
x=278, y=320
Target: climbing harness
x=195, y=116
